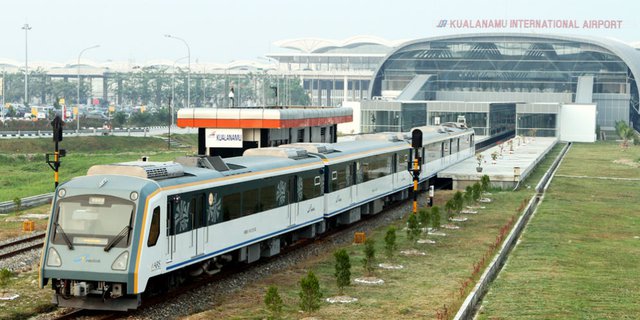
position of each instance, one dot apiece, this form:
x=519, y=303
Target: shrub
x=5, y=275
x=435, y=217
x=413, y=229
x=273, y=302
x=468, y=194
x=424, y=216
x=343, y=269
x=310, y=292
x=369, y=256
x=18, y=203
x=477, y=191
x=485, y=182
x=458, y=201
x=390, y=242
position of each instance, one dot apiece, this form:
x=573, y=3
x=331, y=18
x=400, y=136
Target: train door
x=394, y=171
x=357, y=180
x=197, y=221
x=294, y=198
x=170, y=230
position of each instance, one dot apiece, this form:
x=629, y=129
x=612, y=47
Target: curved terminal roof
x=489, y=49
x=319, y=45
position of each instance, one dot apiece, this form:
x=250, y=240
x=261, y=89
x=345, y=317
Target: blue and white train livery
x=129, y=228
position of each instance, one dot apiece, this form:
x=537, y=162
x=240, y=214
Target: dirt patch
x=369, y=281
x=413, y=252
x=627, y=162
x=390, y=266
x=341, y=299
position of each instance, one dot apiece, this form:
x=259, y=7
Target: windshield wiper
x=64, y=236
x=118, y=238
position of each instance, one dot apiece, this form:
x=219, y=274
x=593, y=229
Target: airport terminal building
x=528, y=78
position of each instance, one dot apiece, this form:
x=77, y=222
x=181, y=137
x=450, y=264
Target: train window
x=341, y=177
x=250, y=202
x=231, y=205
x=214, y=211
x=311, y=187
x=268, y=197
x=377, y=166
x=154, y=228
x=199, y=214
x=182, y=216
x=433, y=152
x=403, y=161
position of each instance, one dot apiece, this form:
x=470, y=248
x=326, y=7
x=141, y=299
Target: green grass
x=579, y=256
x=24, y=172
x=31, y=301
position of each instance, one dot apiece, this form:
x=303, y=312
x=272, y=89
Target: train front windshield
x=94, y=220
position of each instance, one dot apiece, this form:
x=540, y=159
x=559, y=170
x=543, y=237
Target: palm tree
x=625, y=132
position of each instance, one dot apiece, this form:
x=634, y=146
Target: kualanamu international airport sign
x=528, y=24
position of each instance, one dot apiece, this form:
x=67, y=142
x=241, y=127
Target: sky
x=222, y=31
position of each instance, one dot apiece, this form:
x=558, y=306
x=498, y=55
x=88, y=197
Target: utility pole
x=26, y=29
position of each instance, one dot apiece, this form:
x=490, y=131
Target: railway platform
x=514, y=162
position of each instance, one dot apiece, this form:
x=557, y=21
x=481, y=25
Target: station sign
x=223, y=138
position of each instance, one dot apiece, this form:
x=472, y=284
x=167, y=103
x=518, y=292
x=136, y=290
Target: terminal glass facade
x=517, y=68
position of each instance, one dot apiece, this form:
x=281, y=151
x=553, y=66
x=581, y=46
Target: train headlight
x=133, y=196
x=53, y=260
x=62, y=193
x=121, y=261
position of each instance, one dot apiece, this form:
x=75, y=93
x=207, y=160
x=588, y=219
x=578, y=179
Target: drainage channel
x=470, y=305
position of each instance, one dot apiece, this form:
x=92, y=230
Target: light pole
x=26, y=29
x=78, y=91
x=188, y=67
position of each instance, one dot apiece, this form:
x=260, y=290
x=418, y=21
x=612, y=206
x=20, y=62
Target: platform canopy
x=262, y=118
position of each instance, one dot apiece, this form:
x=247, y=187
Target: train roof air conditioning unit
x=291, y=153
x=141, y=169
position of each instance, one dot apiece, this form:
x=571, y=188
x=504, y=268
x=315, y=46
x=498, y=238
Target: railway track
x=14, y=248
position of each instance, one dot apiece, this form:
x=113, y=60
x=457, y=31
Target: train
x=131, y=228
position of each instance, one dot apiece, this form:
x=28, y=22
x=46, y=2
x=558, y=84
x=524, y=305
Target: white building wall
x=578, y=123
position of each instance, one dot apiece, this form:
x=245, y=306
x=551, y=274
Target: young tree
x=424, y=217
x=369, y=256
x=18, y=203
x=449, y=207
x=273, y=302
x=435, y=217
x=468, y=194
x=390, y=242
x=310, y=292
x=458, y=201
x=413, y=228
x=485, y=182
x=343, y=269
x=477, y=191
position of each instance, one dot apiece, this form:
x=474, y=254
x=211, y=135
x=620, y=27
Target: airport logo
x=85, y=258
x=529, y=24
x=226, y=138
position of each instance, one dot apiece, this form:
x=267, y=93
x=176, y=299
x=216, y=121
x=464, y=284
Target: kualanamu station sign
x=528, y=24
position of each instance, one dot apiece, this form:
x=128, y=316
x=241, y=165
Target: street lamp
x=78, y=92
x=188, y=68
x=26, y=29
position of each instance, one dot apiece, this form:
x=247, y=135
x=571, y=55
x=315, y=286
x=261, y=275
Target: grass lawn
x=580, y=255
x=24, y=172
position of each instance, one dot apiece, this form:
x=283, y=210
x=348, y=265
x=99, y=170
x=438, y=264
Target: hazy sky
x=221, y=31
